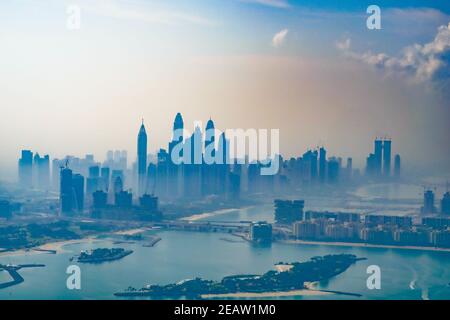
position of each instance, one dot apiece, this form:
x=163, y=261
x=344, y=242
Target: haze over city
x=304, y=68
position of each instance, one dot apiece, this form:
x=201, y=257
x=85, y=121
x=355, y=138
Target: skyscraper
x=397, y=166
x=66, y=191
x=26, y=169
x=445, y=203
x=41, y=172
x=387, y=157
x=78, y=190
x=322, y=164
x=378, y=152
x=428, y=202
x=175, y=172
x=208, y=166
x=142, y=159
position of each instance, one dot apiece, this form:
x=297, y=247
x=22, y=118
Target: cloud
x=283, y=4
x=139, y=12
x=279, y=38
x=422, y=62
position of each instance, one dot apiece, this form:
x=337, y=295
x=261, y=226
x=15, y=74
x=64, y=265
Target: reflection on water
x=391, y=191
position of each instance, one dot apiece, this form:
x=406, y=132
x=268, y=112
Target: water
x=405, y=274
x=182, y=255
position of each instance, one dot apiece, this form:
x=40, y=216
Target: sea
x=405, y=274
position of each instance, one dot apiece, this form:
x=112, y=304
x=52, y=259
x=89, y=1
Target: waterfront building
x=288, y=211
x=306, y=230
x=261, y=232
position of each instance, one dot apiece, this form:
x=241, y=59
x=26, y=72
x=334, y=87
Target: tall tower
x=210, y=138
x=322, y=164
x=142, y=159
x=177, y=135
x=397, y=166
x=66, y=196
x=387, y=157
x=378, y=156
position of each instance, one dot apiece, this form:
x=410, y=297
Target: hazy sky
x=312, y=70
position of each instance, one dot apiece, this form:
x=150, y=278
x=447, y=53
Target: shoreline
x=56, y=246
x=204, y=215
x=364, y=245
x=270, y=294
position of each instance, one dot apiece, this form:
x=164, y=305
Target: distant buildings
x=378, y=163
x=373, y=229
x=41, y=172
x=397, y=166
x=445, y=203
x=5, y=209
x=288, y=211
x=428, y=203
x=26, y=169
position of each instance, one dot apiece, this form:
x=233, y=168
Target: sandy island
x=205, y=215
x=131, y=232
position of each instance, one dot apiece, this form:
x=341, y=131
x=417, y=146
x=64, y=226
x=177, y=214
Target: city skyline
x=225, y=70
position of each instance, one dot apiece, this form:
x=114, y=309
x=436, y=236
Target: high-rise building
x=261, y=232
x=41, y=172
x=378, y=152
x=78, y=190
x=387, y=157
x=333, y=170
x=142, y=159
x=66, y=194
x=445, y=203
x=99, y=199
x=349, y=168
x=322, y=164
x=287, y=211
x=175, y=172
x=26, y=169
x=428, y=202
x=397, y=166
x=105, y=178
x=93, y=180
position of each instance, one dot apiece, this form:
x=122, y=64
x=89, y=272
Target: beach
x=205, y=215
x=292, y=293
x=364, y=245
